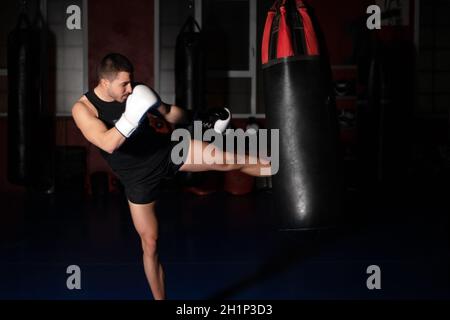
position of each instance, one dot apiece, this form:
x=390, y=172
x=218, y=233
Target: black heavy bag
x=189, y=67
x=20, y=95
x=189, y=85
x=299, y=102
x=370, y=124
x=30, y=120
x=43, y=141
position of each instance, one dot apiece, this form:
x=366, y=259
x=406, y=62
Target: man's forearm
x=111, y=140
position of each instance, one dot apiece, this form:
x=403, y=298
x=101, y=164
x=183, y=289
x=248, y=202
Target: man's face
x=120, y=88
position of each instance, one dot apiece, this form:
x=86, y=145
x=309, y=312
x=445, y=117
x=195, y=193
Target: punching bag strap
x=284, y=45
x=312, y=47
x=190, y=23
x=23, y=22
x=267, y=32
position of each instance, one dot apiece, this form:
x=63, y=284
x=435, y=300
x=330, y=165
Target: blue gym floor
x=222, y=246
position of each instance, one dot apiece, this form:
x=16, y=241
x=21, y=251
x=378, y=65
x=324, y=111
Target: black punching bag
x=299, y=102
x=190, y=92
x=189, y=67
x=20, y=95
x=43, y=143
x=30, y=120
x=370, y=129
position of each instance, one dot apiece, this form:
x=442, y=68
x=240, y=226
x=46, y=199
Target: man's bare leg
x=251, y=166
x=146, y=225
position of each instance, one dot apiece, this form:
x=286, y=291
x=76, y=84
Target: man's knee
x=149, y=244
x=226, y=166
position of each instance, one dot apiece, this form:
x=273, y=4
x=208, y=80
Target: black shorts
x=142, y=183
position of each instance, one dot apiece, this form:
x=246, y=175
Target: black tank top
x=144, y=147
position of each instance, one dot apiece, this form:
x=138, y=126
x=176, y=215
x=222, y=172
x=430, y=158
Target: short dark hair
x=112, y=64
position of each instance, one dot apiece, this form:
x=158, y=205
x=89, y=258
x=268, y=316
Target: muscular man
x=112, y=116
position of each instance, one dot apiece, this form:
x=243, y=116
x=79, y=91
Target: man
x=112, y=116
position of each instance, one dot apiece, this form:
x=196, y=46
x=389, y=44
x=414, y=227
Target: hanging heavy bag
x=20, y=95
x=189, y=67
x=190, y=93
x=43, y=143
x=30, y=120
x=299, y=102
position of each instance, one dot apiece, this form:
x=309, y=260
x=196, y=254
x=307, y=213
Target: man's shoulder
x=80, y=104
x=83, y=99
x=83, y=105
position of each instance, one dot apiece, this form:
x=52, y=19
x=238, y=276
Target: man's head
x=115, y=74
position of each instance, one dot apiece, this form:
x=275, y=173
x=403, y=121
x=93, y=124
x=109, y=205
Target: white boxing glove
x=223, y=120
x=138, y=103
x=215, y=118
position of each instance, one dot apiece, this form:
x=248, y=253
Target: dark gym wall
x=125, y=27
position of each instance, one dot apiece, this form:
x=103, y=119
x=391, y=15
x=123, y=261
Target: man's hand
x=138, y=103
x=215, y=118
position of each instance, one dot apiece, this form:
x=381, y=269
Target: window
x=230, y=31
x=229, y=27
x=71, y=56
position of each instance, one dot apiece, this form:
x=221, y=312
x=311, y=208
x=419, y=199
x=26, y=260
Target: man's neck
x=102, y=95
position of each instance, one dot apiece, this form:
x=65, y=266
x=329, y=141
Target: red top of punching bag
x=284, y=43
x=287, y=26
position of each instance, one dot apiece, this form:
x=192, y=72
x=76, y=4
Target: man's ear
x=105, y=82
